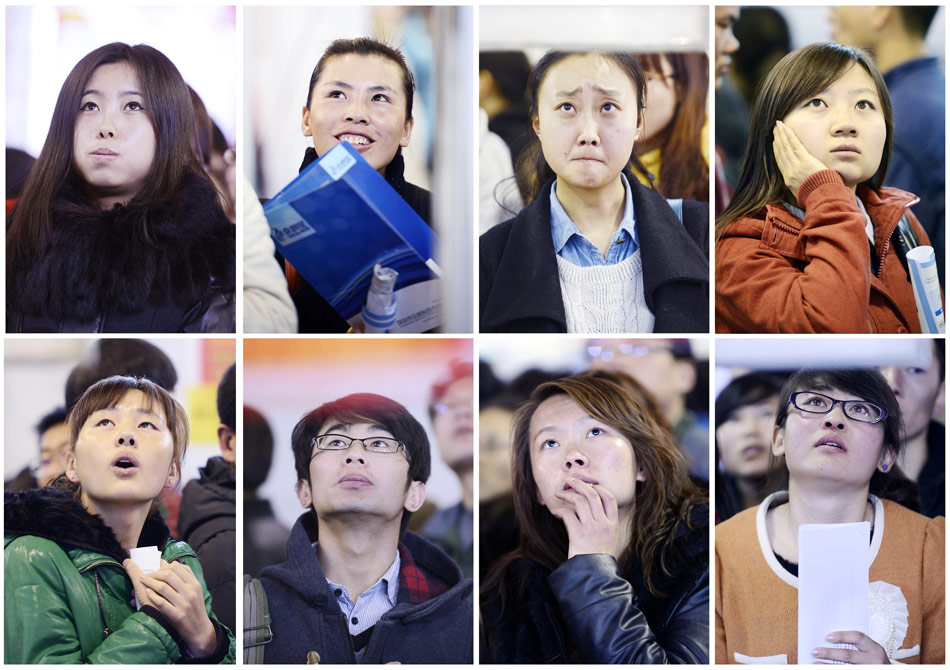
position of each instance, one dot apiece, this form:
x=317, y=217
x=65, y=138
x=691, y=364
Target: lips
x=358, y=140
x=354, y=479
x=752, y=451
x=831, y=443
x=846, y=149
x=125, y=464
x=102, y=151
x=586, y=480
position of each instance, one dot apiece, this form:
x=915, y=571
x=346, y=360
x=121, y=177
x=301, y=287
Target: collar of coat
x=59, y=516
x=667, y=251
x=394, y=171
x=122, y=259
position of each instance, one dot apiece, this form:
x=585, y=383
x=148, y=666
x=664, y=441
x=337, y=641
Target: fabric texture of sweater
x=605, y=298
x=757, y=599
x=67, y=598
x=519, y=287
x=776, y=273
x=431, y=622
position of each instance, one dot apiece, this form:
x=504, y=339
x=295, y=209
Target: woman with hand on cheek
x=613, y=562
x=807, y=243
x=840, y=434
x=69, y=585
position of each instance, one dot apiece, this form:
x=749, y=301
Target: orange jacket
x=779, y=274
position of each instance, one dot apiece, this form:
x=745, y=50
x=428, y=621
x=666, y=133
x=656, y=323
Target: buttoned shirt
x=371, y=604
x=573, y=246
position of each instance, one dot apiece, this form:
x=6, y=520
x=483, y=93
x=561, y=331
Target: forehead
x=836, y=393
x=854, y=79
x=361, y=429
x=114, y=75
x=359, y=69
x=460, y=387
x=133, y=400
x=727, y=12
x=558, y=411
x=582, y=70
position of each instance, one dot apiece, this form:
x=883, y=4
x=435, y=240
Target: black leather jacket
x=587, y=612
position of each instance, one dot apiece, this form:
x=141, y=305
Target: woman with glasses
x=840, y=434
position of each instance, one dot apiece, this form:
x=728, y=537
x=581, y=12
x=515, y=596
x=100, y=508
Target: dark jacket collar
x=394, y=171
x=59, y=516
x=529, y=267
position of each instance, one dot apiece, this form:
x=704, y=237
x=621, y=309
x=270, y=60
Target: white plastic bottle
x=379, y=310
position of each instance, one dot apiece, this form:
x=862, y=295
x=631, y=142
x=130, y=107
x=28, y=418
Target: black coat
x=102, y=271
x=519, y=289
x=314, y=313
x=587, y=612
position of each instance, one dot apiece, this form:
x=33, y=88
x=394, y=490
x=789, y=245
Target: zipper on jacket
x=106, y=631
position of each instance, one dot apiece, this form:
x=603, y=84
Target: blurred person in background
x=674, y=145
x=593, y=251
x=265, y=538
x=745, y=409
x=667, y=370
x=502, y=85
x=207, y=512
x=53, y=435
x=725, y=45
x=894, y=36
x=920, y=392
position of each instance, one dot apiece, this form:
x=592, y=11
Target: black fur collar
x=59, y=516
x=100, y=262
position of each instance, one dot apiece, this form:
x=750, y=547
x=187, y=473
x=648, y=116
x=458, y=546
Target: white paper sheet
x=833, y=562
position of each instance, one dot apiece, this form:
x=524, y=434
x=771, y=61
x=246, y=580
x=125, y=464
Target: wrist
x=814, y=181
x=204, y=643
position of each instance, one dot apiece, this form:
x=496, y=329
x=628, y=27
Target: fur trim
x=59, y=516
x=99, y=262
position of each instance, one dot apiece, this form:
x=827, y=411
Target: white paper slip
x=833, y=563
x=148, y=559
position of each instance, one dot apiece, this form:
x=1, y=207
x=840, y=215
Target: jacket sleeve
x=759, y=289
x=932, y=640
x=224, y=651
x=601, y=611
x=39, y=615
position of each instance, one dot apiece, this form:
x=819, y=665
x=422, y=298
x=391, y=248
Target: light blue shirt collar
x=563, y=227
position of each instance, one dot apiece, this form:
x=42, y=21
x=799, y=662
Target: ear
x=639, y=133
x=174, y=475
x=226, y=441
x=778, y=441
x=415, y=496
x=886, y=464
x=303, y=493
x=641, y=475
x=940, y=404
x=406, y=133
x=71, y=473
x=882, y=16
x=684, y=370
x=305, y=123
x=536, y=124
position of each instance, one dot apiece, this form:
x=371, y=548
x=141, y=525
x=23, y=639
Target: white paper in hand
x=833, y=562
x=148, y=559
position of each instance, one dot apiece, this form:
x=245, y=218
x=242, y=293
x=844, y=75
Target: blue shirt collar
x=563, y=228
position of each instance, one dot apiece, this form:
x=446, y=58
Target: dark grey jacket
x=519, y=290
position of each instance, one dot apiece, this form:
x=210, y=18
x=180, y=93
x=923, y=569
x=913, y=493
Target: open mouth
x=586, y=480
x=752, y=451
x=831, y=444
x=355, y=140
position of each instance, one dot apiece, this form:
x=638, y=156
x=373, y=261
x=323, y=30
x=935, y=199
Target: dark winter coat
x=587, y=612
x=519, y=288
x=206, y=521
x=102, y=271
x=67, y=597
x=431, y=622
x=315, y=314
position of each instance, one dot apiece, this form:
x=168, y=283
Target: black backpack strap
x=904, y=239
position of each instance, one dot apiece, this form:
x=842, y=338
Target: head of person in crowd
x=360, y=92
x=227, y=415
x=586, y=434
x=726, y=42
x=665, y=367
x=502, y=80
x=146, y=432
x=745, y=413
x=841, y=430
x=132, y=96
x=257, y=449
x=362, y=454
x=882, y=30
x=588, y=138
x=823, y=93
x=451, y=409
x=673, y=122
x=135, y=358
x=53, y=432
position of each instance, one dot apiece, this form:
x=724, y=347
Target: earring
x=884, y=467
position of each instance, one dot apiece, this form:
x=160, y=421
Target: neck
x=892, y=53
x=596, y=212
x=660, y=139
x=814, y=504
x=125, y=520
x=914, y=456
x=675, y=410
x=751, y=490
x=356, y=554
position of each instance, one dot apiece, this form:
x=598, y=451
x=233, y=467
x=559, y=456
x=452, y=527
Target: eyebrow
x=584, y=419
x=375, y=87
x=345, y=426
x=603, y=91
x=93, y=91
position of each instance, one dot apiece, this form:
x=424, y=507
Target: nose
x=356, y=111
x=731, y=43
x=126, y=440
x=589, y=131
x=844, y=125
x=893, y=379
x=351, y=458
x=106, y=127
x=575, y=459
x=836, y=419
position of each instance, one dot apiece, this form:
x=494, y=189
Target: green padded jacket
x=67, y=598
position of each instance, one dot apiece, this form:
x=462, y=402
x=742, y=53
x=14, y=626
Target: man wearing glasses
x=357, y=588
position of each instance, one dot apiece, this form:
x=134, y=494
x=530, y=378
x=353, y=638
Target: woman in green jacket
x=70, y=589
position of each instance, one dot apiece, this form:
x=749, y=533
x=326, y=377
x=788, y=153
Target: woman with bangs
x=613, y=558
x=839, y=432
x=810, y=241
x=71, y=592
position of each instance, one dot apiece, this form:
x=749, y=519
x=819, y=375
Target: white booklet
x=922, y=265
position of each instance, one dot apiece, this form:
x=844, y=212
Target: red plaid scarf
x=413, y=585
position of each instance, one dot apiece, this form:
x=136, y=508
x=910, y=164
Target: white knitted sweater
x=605, y=298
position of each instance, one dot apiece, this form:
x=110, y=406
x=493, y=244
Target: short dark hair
x=364, y=408
x=54, y=418
x=457, y=370
x=509, y=69
x=940, y=353
x=227, y=399
x=366, y=46
x=917, y=19
x=257, y=448
x=134, y=358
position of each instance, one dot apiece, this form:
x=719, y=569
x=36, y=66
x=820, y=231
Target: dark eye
x=595, y=432
x=148, y=424
x=608, y=107
x=380, y=97
x=815, y=102
x=860, y=408
x=566, y=107
x=135, y=106
x=104, y=422
x=336, y=443
x=549, y=444
x=865, y=104
x=378, y=444
x=88, y=107
x=336, y=94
